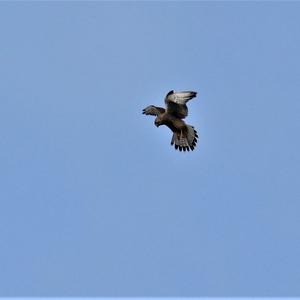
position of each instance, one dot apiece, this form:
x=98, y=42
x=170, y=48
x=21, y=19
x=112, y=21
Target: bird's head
x=157, y=122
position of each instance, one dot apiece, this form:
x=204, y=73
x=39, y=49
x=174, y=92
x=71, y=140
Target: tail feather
x=185, y=140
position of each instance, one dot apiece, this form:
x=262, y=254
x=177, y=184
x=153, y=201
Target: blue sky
x=95, y=201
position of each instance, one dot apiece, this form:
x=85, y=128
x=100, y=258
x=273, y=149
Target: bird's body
x=172, y=122
x=184, y=136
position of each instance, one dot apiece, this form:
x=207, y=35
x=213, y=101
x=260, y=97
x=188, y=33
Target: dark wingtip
x=170, y=93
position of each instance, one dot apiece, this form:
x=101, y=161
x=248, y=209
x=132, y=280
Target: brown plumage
x=184, y=136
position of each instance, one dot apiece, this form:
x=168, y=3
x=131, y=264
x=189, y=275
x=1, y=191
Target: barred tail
x=185, y=140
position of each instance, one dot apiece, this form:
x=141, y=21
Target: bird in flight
x=184, y=136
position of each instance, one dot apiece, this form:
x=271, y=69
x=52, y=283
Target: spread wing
x=176, y=103
x=153, y=110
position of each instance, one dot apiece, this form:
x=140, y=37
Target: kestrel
x=184, y=136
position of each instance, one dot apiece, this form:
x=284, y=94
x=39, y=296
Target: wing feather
x=176, y=103
x=153, y=110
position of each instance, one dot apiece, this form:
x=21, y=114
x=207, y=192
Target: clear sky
x=95, y=202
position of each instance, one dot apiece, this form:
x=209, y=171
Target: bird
x=184, y=136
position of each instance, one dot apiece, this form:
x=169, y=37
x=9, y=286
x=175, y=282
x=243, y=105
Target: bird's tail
x=185, y=140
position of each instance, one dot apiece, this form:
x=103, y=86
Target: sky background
x=95, y=202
